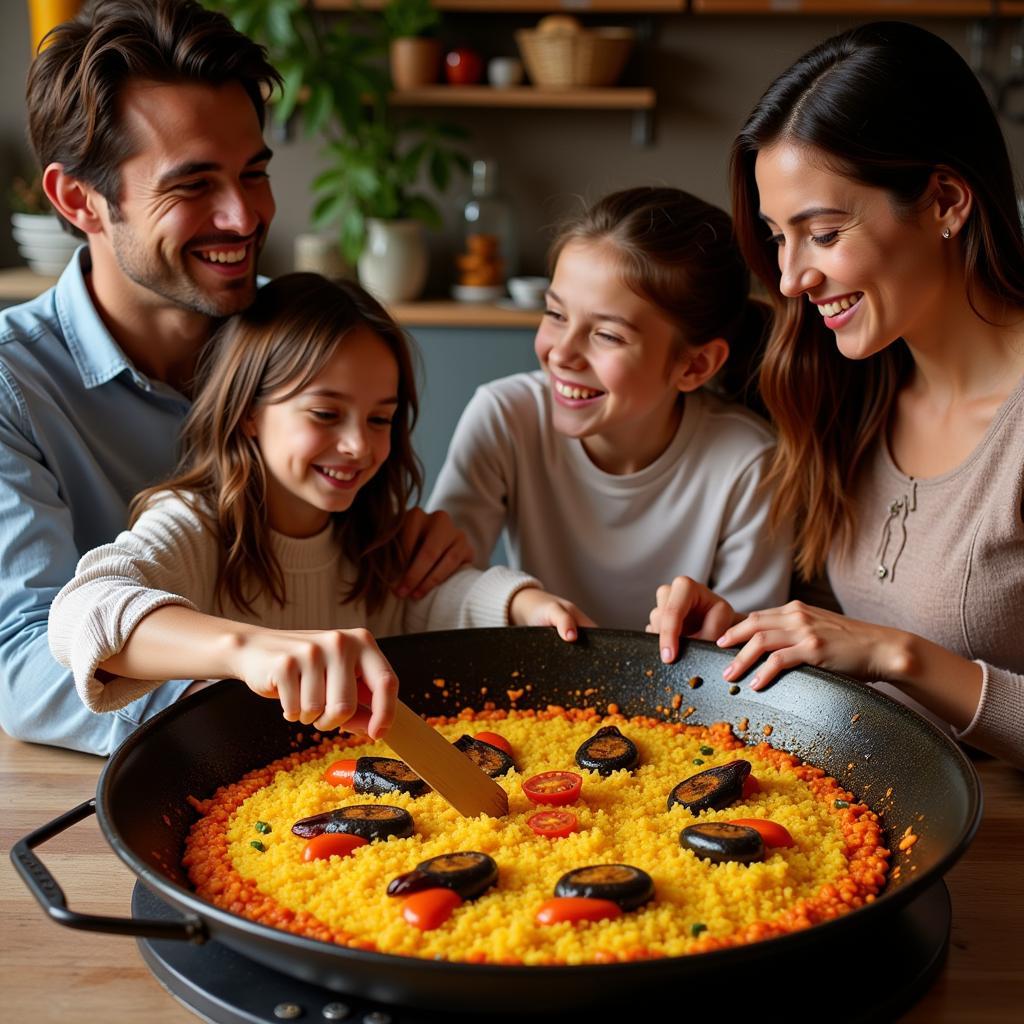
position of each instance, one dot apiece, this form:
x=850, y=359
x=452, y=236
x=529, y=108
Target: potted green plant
x=414, y=56
x=372, y=191
x=42, y=241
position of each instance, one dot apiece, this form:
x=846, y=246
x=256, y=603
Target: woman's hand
x=532, y=606
x=687, y=608
x=436, y=548
x=323, y=678
x=800, y=634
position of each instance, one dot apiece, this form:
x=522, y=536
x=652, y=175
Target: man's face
x=195, y=200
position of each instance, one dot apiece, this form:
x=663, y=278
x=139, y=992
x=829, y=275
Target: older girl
x=275, y=548
x=873, y=193
x=613, y=464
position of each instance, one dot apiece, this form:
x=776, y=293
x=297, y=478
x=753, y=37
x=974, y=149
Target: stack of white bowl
x=44, y=245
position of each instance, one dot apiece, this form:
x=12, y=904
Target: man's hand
x=436, y=547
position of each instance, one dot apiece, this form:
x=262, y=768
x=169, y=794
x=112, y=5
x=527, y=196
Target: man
x=147, y=119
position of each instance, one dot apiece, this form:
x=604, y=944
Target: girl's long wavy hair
x=679, y=253
x=886, y=104
x=268, y=354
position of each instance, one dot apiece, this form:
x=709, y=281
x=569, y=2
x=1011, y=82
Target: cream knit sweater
x=169, y=557
x=944, y=558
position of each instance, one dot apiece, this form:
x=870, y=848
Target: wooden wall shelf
x=866, y=8
x=524, y=96
x=527, y=6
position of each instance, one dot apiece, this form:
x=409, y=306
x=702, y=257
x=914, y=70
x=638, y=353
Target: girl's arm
x=473, y=485
x=323, y=678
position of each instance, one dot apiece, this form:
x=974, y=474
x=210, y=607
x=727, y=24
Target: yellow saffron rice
x=838, y=862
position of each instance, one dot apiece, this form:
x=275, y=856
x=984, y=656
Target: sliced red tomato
x=332, y=844
x=772, y=833
x=750, y=786
x=430, y=908
x=576, y=908
x=496, y=740
x=553, y=788
x=553, y=824
x=341, y=773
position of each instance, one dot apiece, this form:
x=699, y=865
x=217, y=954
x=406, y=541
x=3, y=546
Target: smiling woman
x=874, y=196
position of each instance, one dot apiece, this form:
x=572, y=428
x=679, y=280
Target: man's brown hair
x=75, y=82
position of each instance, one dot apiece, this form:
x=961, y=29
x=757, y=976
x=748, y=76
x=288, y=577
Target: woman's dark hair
x=268, y=354
x=886, y=105
x=679, y=253
x=76, y=81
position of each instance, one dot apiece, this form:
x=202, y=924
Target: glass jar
x=489, y=254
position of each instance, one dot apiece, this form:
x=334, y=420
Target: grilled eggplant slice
x=490, y=760
x=377, y=776
x=718, y=841
x=608, y=751
x=468, y=873
x=624, y=885
x=712, y=788
x=371, y=821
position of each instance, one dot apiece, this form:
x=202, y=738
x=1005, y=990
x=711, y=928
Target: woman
x=874, y=196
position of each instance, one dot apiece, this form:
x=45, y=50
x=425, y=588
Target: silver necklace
x=895, y=522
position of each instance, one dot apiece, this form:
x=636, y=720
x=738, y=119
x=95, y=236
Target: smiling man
x=147, y=119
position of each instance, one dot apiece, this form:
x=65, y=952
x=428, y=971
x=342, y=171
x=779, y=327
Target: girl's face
x=323, y=444
x=873, y=275
x=613, y=360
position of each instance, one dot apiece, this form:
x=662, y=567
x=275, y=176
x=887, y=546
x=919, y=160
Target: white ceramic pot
x=43, y=244
x=393, y=264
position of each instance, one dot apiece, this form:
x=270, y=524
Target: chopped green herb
x=696, y=928
x=698, y=760
x=262, y=826
x=257, y=845
x=842, y=803
x=734, y=689
x=707, y=750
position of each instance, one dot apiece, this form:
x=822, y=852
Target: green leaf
x=329, y=209
x=439, y=170
x=422, y=209
x=318, y=109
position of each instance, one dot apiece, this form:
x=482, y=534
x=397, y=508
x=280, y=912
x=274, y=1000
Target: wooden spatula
x=447, y=770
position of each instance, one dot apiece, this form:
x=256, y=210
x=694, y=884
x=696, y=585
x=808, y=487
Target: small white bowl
x=505, y=72
x=477, y=293
x=528, y=292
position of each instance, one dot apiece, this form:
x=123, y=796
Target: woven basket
x=569, y=60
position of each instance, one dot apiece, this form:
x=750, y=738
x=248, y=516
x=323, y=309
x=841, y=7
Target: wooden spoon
x=452, y=775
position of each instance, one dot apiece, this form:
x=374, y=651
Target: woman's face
x=323, y=444
x=612, y=359
x=874, y=274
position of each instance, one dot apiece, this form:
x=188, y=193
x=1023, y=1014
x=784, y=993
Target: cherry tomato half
x=553, y=824
x=341, y=773
x=553, y=788
x=772, y=833
x=576, y=908
x=332, y=844
x=750, y=786
x=496, y=740
x=430, y=908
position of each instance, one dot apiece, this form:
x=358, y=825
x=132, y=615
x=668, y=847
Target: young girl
x=612, y=464
x=276, y=546
x=874, y=195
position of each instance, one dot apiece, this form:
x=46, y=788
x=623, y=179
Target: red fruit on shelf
x=463, y=66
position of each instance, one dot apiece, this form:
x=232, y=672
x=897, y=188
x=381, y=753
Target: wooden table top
x=50, y=973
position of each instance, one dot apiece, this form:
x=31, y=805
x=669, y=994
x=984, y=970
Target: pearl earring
x=946, y=233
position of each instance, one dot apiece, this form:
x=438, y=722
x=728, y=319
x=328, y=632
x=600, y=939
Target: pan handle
x=51, y=897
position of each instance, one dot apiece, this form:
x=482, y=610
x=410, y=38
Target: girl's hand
x=436, y=548
x=535, y=607
x=687, y=608
x=323, y=678
x=800, y=634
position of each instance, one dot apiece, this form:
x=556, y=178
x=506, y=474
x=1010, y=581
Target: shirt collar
x=97, y=356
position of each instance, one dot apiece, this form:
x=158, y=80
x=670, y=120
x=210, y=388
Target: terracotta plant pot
x=414, y=62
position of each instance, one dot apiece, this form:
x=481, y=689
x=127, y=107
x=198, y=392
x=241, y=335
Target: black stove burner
x=895, y=968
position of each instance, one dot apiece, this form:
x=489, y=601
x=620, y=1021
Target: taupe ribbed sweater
x=944, y=558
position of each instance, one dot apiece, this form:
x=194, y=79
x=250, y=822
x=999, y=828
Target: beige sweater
x=944, y=558
x=169, y=557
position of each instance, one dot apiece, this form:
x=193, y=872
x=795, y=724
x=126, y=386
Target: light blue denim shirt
x=81, y=432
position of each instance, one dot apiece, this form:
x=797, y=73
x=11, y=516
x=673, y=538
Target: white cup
x=528, y=292
x=504, y=72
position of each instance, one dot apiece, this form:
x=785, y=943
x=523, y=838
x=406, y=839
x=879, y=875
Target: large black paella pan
x=909, y=772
